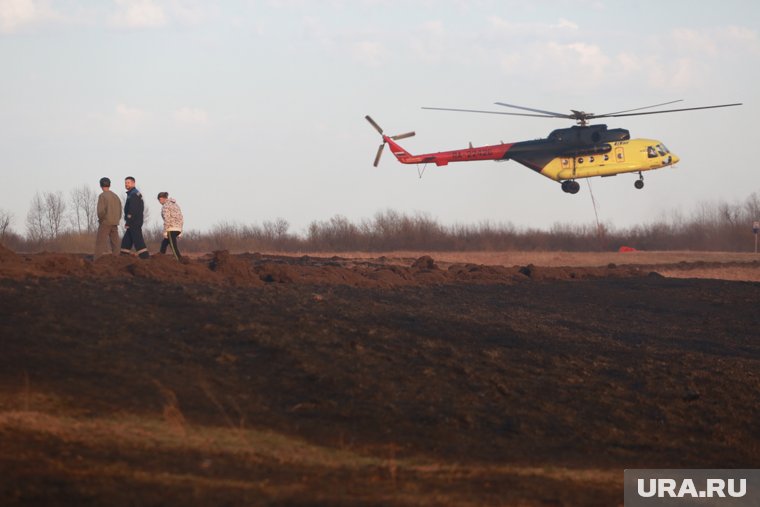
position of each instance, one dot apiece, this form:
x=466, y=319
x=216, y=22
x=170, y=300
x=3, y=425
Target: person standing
x=134, y=210
x=173, y=222
x=109, y=216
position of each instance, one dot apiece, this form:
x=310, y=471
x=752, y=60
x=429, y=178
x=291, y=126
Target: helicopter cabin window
x=591, y=160
x=565, y=162
x=606, y=158
x=650, y=152
x=580, y=160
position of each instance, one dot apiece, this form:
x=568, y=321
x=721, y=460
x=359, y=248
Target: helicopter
x=567, y=154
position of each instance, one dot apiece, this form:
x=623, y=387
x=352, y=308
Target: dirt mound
x=113, y=263
x=61, y=265
x=277, y=273
x=425, y=262
x=7, y=255
x=165, y=268
x=543, y=273
x=236, y=269
x=44, y=265
x=255, y=269
x=482, y=273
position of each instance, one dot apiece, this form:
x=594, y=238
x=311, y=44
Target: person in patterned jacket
x=173, y=222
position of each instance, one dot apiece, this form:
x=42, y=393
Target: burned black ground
x=492, y=378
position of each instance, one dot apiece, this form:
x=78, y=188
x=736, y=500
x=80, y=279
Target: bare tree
x=729, y=214
x=275, y=229
x=84, y=209
x=6, y=217
x=35, y=219
x=55, y=209
x=45, y=218
x=752, y=207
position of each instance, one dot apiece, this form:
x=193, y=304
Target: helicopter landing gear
x=639, y=183
x=570, y=187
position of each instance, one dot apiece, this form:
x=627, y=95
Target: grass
x=543, y=258
x=377, y=477
x=253, y=445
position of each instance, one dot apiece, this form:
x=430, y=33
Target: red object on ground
x=627, y=249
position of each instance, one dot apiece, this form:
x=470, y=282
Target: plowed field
x=252, y=379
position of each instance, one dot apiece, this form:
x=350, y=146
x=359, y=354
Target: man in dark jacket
x=133, y=221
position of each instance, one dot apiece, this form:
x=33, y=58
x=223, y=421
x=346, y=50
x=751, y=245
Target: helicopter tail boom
x=494, y=152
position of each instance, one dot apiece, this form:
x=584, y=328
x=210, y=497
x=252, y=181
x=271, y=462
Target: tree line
x=55, y=223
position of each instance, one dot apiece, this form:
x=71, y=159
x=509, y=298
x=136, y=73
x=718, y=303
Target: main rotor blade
x=402, y=136
x=372, y=122
x=666, y=111
x=645, y=107
x=492, y=112
x=379, y=153
x=550, y=113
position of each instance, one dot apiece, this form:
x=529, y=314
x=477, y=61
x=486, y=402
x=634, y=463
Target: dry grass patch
x=260, y=447
x=540, y=258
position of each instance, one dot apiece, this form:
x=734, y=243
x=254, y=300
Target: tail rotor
x=379, y=154
x=385, y=138
x=372, y=122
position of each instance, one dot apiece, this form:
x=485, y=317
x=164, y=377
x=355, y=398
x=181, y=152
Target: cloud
x=700, y=59
x=429, y=42
x=191, y=116
x=589, y=59
x=575, y=65
x=715, y=41
x=138, y=14
x=679, y=60
x=502, y=27
x=690, y=40
x=372, y=54
x=191, y=12
x=16, y=14
x=565, y=25
x=433, y=28
x=314, y=31
x=129, y=119
x=508, y=43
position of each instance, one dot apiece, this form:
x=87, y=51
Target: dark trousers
x=172, y=242
x=134, y=236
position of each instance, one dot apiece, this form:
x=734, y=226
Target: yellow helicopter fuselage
x=633, y=155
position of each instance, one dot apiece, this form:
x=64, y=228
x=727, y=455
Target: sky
x=249, y=110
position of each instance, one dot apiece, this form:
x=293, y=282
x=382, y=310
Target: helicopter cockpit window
x=665, y=148
x=650, y=152
x=660, y=150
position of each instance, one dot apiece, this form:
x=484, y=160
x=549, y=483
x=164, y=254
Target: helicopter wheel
x=639, y=183
x=570, y=187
